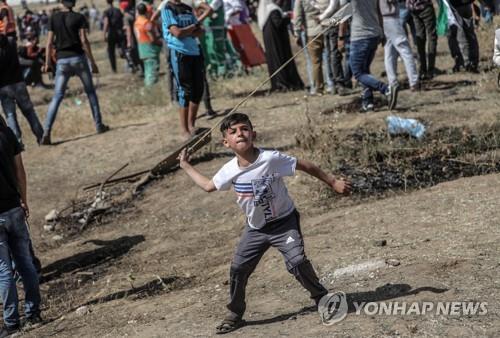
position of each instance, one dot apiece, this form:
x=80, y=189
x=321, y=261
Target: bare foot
x=186, y=136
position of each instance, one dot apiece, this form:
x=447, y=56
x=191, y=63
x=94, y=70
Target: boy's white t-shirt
x=261, y=192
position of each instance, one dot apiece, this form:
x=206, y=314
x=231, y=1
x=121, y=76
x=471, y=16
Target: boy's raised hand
x=340, y=186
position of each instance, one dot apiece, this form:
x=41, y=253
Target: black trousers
x=115, y=41
x=426, y=34
x=453, y=35
x=334, y=56
x=207, y=99
x=465, y=43
x=283, y=234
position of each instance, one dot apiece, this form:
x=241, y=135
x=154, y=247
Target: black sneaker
x=392, y=97
x=456, y=68
x=33, y=321
x=45, y=141
x=7, y=331
x=102, y=129
x=343, y=91
x=474, y=69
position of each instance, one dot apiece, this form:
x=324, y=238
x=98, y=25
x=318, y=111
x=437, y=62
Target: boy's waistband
x=279, y=222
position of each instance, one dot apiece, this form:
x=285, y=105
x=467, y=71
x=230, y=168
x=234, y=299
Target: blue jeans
x=347, y=65
x=309, y=70
x=361, y=56
x=327, y=72
x=66, y=68
x=17, y=93
x=15, y=243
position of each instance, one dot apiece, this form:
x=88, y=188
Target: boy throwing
x=272, y=220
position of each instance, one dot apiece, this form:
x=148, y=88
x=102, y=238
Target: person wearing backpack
x=113, y=32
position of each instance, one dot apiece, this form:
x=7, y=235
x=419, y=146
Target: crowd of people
x=198, y=47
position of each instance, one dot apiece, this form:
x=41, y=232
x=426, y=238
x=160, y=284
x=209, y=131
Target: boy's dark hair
x=109, y=2
x=141, y=9
x=232, y=120
x=69, y=3
x=2, y=122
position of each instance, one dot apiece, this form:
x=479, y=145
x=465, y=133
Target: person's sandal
x=229, y=325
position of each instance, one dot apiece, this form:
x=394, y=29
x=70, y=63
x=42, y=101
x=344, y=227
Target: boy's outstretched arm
x=202, y=181
x=340, y=186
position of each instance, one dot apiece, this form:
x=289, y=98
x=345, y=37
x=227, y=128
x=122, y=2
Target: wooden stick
x=110, y=177
x=118, y=179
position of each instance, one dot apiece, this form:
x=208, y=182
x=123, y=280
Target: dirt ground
x=159, y=267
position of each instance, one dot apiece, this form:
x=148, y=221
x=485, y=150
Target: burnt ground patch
x=378, y=163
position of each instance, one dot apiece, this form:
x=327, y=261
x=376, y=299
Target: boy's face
x=239, y=137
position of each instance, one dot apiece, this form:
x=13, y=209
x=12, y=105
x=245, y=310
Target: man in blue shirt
x=180, y=30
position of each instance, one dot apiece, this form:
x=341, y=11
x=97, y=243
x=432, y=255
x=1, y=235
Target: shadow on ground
x=385, y=292
x=108, y=250
x=150, y=289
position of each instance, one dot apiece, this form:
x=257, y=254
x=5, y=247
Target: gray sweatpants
x=397, y=44
x=283, y=234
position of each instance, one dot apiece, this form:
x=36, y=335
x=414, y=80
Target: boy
x=149, y=45
x=180, y=30
x=271, y=216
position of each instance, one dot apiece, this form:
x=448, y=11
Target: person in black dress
x=274, y=24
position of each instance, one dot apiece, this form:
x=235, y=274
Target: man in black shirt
x=13, y=90
x=113, y=32
x=14, y=236
x=68, y=30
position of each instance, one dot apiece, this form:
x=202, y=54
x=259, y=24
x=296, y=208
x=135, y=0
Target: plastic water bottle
x=398, y=125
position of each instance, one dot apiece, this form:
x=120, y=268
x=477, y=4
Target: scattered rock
x=51, y=216
x=381, y=242
x=356, y=269
x=76, y=215
x=49, y=227
x=393, y=262
x=58, y=226
x=82, y=310
x=57, y=238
